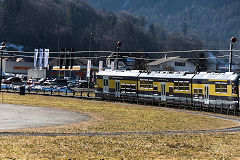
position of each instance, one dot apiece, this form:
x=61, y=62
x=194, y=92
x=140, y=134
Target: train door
x=163, y=91
x=105, y=84
x=238, y=91
x=117, y=88
x=206, y=94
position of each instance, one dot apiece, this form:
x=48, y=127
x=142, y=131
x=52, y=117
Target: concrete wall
x=17, y=67
x=36, y=73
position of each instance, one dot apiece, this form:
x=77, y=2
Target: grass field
x=117, y=117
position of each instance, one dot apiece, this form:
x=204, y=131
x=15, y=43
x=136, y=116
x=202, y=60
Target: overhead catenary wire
x=113, y=54
x=113, y=58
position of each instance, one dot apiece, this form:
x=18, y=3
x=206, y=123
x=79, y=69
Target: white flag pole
x=112, y=65
x=100, y=65
x=46, y=57
x=40, y=58
x=88, y=74
x=35, y=57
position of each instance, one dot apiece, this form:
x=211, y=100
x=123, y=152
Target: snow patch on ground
x=125, y=4
x=17, y=47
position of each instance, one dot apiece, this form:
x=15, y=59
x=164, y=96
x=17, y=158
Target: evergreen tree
x=202, y=63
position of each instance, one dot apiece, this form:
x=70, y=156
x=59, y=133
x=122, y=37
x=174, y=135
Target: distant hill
x=216, y=21
x=69, y=23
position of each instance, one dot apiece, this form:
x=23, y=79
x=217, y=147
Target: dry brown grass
x=117, y=117
x=197, y=146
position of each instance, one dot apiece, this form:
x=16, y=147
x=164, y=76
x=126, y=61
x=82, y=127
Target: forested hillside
x=69, y=23
x=216, y=21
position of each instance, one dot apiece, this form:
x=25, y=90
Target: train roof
x=230, y=76
x=167, y=75
x=123, y=73
x=146, y=74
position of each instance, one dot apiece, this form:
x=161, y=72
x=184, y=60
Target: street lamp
x=90, y=43
x=119, y=43
x=2, y=48
x=233, y=40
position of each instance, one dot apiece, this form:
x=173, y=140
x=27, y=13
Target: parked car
x=59, y=82
x=41, y=81
x=83, y=84
x=48, y=82
x=70, y=79
x=12, y=80
x=31, y=81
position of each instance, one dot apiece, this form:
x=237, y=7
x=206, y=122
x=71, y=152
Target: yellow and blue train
x=218, y=90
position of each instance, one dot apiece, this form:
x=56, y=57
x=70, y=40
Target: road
x=21, y=117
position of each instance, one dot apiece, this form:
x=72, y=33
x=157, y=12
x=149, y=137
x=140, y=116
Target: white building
x=16, y=67
x=172, y=64
x=37, y=73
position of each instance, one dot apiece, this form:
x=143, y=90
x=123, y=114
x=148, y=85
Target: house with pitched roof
x=172, y=64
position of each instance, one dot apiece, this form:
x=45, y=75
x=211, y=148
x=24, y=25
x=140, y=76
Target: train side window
x=217, y=88
x=234, y=88
x=171, y=91
x=123, y=88
x=176, y=86
x=141, y=83
x=146, y=83
x=150, y=84
x=200, y=93
x=155, y=90
x=221, y=88
x=128, y=88
x=133, y=88
x=195, y=93
x=224, y=88
x=186, y=86
x=181, y=87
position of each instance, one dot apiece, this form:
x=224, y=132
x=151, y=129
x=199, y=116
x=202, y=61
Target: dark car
x=55, y=82
x=61, y=82
x=12, y=80
x=83, y=84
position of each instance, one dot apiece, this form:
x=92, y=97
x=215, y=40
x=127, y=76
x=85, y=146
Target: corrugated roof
x=152, y=74
x=130, y=73
x=171, y=75
x=217, y=76
x=164, y=60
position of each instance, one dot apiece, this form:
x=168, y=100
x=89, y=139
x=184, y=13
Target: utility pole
x=2, y=49
x=119, y=43
x=233, y=40
x=90, y=43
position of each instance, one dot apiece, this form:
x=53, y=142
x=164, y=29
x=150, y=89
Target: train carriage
x=216, y=89
x=117, y=83
x=164, y=86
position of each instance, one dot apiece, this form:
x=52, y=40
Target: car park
x=83, y=84
x=12, y=80
x=31, y=81
x=48, y=82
